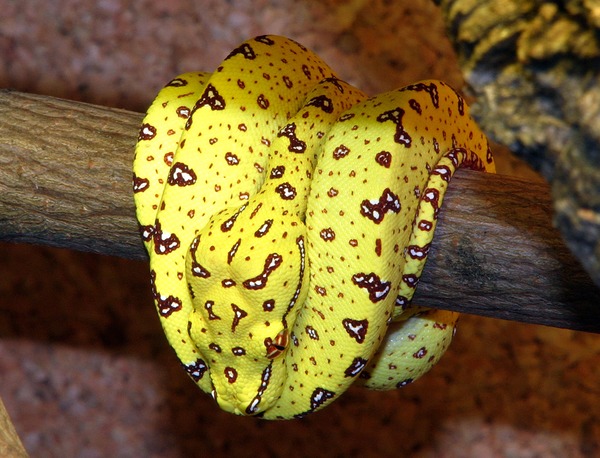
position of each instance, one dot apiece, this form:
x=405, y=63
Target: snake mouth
x=236, y=401
x=253, y=407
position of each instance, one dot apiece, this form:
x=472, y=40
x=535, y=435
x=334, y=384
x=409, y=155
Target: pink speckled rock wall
x=84, y=368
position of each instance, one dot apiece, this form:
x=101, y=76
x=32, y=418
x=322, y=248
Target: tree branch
x=65, y=181
x=10, y=444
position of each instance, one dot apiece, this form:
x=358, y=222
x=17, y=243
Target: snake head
x=247, y=368
x=246, y=292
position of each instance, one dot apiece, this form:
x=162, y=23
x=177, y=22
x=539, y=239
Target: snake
x=288, y=217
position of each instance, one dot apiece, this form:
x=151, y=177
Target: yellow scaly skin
x=288, y=218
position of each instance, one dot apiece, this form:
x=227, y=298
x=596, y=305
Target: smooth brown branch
x=65, y=175
x=65, y=180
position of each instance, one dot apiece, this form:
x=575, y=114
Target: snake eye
x=277, y=346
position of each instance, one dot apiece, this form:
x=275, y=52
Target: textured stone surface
x=534, y=67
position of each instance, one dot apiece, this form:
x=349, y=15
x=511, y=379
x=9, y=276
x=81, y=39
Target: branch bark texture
x=65, y=181
x=534, y=67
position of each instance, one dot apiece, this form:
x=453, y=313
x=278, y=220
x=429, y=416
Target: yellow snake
x=288, y=218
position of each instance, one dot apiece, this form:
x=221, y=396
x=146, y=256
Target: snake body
x=288, y=218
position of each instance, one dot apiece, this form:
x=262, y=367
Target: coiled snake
x=288, y=218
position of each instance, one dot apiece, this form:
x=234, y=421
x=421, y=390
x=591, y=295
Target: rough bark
x=534, y=67
x=65, y=180
x=65, y=175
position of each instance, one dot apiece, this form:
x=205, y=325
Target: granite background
x=84, y=368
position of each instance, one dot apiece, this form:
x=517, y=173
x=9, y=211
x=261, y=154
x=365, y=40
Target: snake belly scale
x=288, y=218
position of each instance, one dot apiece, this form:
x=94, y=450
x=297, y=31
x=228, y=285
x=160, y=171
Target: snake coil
x=288, y=218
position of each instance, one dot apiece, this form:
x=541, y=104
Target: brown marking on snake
x=376, y=210
x=181, y=175
x=377, y=288
x=238, y=314
x=296, y=145
x=401, y=136
x=272, y=262
x=357, y=329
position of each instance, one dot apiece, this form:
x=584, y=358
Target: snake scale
x=288, y=218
